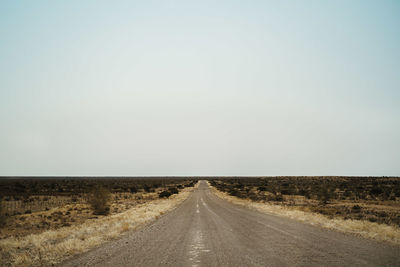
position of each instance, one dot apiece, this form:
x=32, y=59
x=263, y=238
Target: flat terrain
x=373, y=199
x=208, y=231
x=35, y=205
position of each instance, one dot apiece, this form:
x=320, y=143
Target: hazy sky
x=200, y=87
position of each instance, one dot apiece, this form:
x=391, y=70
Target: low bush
x=173, y=190
x=164, y=194
x=147, y=188
x=3, y=216
x=133, y=189
x=278, y=197
x=324, y=195
x=98, y=200
x=191, y=184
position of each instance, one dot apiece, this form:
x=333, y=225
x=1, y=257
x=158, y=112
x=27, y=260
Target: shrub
x=356, y=208
x=147, y=188
x=133, y=189
x=255, y=197
x=285, y=192
x=239, y=185
x=164, y=194
x=376, y=191
x=3, y=215
x=324, y=194
x=279, y=197
x=98, y=200
x=303, y=192
x=173, y=190
x=234, y=192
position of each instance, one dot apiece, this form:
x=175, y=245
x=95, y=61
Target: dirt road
x=208, y=231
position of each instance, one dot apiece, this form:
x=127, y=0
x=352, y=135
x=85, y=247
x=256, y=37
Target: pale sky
x=200, y=88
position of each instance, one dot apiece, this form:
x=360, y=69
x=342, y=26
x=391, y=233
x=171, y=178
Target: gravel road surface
x=208, y=231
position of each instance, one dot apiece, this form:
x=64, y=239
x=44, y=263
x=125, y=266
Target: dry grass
x=381, y=232
x=67, y=213
x=53, y=246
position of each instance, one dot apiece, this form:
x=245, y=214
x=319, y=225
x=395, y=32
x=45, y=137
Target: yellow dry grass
x=53, y=246
x=371, y=230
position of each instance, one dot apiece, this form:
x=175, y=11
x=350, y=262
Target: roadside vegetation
x=46, y=220
x=99, y=200
x=3, y=216
x=369, y=206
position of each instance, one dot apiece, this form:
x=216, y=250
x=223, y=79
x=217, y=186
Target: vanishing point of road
x=208, y=231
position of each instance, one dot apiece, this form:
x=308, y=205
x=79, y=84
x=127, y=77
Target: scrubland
x=44, y=221
x=366, y=206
